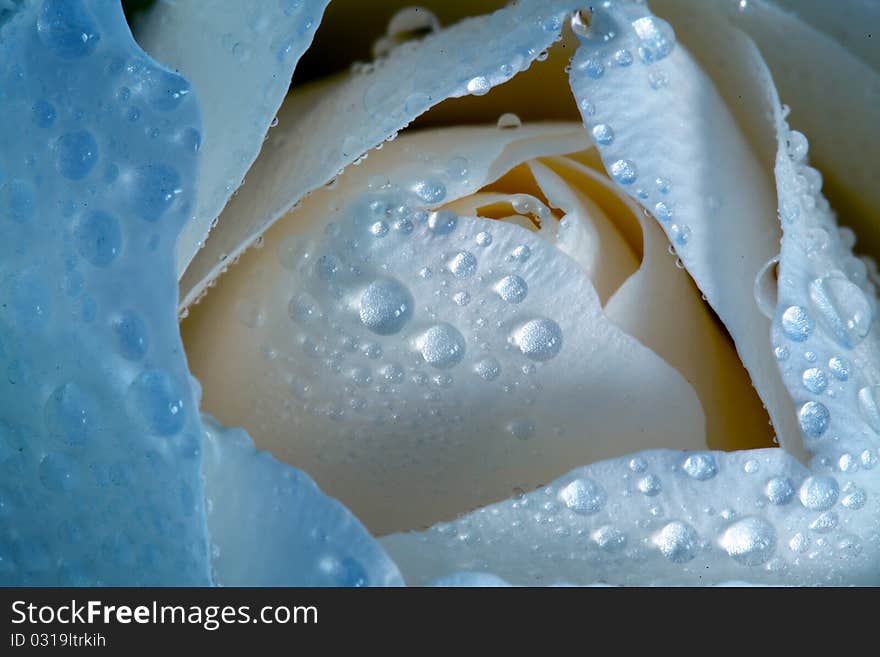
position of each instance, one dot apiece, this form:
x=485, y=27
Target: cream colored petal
x=420, y=443
x=720, y=198
x=661, y=306
x=327, y=128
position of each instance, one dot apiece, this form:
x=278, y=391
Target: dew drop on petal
x=843, y=308
x=583, y=496
x=385, y=306
x=539, y=339
x=442, y=346
x=819, y=492
x=796, y=323
x=750, y=541
x=624, y=171
x=700, y=466
x=814, y=418
x=677, y=541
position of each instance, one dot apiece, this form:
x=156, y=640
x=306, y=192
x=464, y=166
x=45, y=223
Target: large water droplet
x=814, y=380
x=462, y=264
x=819, y=492
x=814, y=419
x=677, y=541
x=512, y=289
x=98, y=238
x=583, y=496
x=76, y=154
x=796, y=323
x=624, y=171
x=538, y=339
x=155, y=186
x=65, y=28
x=488, y=369
x=779, y=490
x=154, y=396
x=656, y=38
x=385, y=306
x=442, y=346
x=750, y=541
x=700, y=466
x=843, y=308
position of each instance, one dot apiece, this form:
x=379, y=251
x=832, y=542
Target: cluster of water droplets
x=824, y=335
x=618, y=36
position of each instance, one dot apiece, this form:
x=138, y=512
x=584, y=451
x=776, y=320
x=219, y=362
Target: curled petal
x=326, y=128
x=239, y=57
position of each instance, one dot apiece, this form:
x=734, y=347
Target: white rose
x=408, y=439
x=516, y=351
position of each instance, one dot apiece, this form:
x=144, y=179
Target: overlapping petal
x=239, y=57
x=326, y=128
x=99, y=433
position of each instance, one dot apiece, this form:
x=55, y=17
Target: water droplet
x=603, y=134
x=779, y=490
x=66, y=28
x=853, y=497
x=511, y=289
x=700, y=466
x=814, y=419
x=378, y=229
x=819, y=492
x=593, y=68
x=303, y=308
x=583, y=496
x=520, y=253
x=815, y=380
x=662, y=211
x=624, y=171
x=842, y=308
x=869, y=405
x=750, y=541
x=167, y=90
x=538, y=339
x=58, y=472
x=155, y=397
x=797, y=146
x=677, y=541
x=155, y=186
x=609, y=539
x=656, y=38
x=839, y=368
x=131, y=335
x=98, y=238
x=680, y=234
x=649, y=486
x=442, y=222
x=796, y=323
x=430, y=191
x=70, y=414
x=483, y=239
x=76, y=154
x=478, y=86
x=461, y=298
x=462, y=264
x=509, y=121
x=385, y=306
x=442, y=346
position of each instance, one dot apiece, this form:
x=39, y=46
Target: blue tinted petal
x=270, y=525
x=99, y=434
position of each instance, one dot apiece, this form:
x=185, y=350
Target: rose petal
x=723, y=222
x=239, y=57
x=662, y=518
x=835, y=101
x=423, y=443
x=326, y=128
x=270, y=525
x=661, y=307
x=100, y=437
